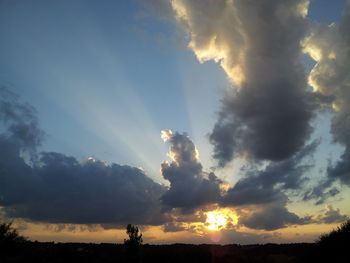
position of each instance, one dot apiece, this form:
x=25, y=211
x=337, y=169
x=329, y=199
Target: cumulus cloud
x=257, y=43
x=329, y=45
x=62, y=190
x=190, y=186
x=66, y=191
x=59, y=189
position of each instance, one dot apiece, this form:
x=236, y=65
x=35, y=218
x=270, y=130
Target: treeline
x=332, y=247
x=176, y=253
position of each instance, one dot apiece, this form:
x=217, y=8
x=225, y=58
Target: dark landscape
x=332, y=247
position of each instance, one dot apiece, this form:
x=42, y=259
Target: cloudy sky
x=201, y=121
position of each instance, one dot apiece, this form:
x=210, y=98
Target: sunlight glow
x=215, y=220
x=220, y=218
x=166, y=135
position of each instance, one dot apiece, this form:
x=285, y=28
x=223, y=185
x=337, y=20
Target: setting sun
x=215, y=220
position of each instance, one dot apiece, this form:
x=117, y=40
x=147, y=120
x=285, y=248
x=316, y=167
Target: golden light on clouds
x=220, y=218
x=215, y=220
x=166, y=135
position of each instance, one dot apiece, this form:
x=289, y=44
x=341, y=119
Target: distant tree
x=9, y=235
x=135, y=239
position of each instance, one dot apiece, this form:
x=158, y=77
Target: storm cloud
x=267, y=111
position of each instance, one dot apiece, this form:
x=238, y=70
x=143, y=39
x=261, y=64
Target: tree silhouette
x=9, y=235
x=135, y=239
x=337, y=237
x=333, y=246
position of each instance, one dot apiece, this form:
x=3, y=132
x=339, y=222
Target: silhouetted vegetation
x=329, y=248
x=133, y=244
x=338, y=237
x=334, y=246
x=135, y=239
x=10, y=243
x=9, y=235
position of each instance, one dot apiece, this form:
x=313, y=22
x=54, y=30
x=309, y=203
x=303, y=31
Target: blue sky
x=66, y=59
x=105, y=77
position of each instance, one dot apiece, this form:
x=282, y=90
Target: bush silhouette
x=9, y=235
x=333, y=246
x=135, y=239
x=337, y=237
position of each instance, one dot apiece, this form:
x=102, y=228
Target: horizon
x=201, y=122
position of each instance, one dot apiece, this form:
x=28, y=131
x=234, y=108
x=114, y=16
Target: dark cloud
x=268, y=185
x=270, y=126
x=332, y=216
x=18, y=123
x=257, y=43
x=173, y=227
x=271, y=217
x=62, y=190
x=190, y=186
x=321, y=192
x=329, y=45
x=341, y=170
x=263, y=192
x=59, y=189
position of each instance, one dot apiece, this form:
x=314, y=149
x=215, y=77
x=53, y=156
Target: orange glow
x=220, y=218
x=215, y=220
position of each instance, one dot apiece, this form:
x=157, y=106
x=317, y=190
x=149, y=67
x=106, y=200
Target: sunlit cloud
x=221, y=218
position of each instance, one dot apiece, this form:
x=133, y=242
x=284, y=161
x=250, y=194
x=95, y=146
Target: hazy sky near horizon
x=200, y=121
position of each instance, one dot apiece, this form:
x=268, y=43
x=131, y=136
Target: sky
x=207, y=121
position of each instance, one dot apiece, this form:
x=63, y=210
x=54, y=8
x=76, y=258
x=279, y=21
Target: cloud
x=59, y=189
x=62, y=190
x=271, y=217
x=341, y=170
x=321, y=192
x=190, y=186
x=19, y=124
x=262, y=192
x=173, y=227
x=257, y=43
x=267, y=185
x=329, y=45
x=332, y=216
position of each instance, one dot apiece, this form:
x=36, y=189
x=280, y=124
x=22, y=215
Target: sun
x=215, y=220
